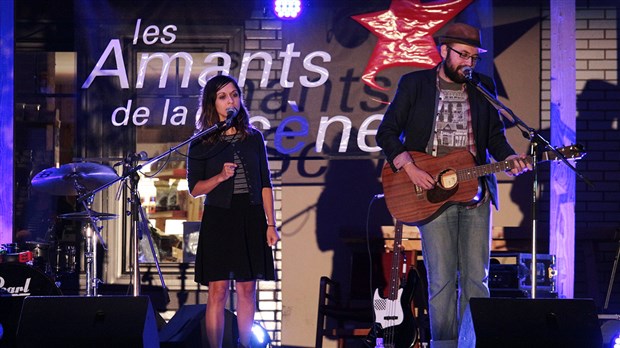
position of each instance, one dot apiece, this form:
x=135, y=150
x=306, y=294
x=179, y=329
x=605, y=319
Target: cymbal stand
x=90, y=258
x=90, y=230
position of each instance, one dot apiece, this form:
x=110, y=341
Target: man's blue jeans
x=456, y=247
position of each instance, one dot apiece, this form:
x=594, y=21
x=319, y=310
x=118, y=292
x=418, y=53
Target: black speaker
x=187, y=329
x=155, y=293
x=510, y=322
x=73, y=321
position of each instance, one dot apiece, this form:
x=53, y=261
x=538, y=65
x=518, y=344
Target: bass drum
x=19, y=280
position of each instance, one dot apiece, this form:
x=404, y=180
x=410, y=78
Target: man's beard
x=453, y=73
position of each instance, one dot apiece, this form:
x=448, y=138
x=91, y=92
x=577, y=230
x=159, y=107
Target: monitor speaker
x=186, y=329
x=74, y=321
x=510, y=322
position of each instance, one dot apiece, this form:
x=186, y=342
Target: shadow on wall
x=344, y=208
x=596, y=207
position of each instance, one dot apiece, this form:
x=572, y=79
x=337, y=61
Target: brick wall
x=597, y=210
x=264, y=33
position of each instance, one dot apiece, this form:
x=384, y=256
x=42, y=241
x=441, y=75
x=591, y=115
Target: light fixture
x=610, y=331
x=615, y=342
x=287, y=9
x=260, y=336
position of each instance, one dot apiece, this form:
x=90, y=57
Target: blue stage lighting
x=287, y=9
x=615, y=342
x=260, y=336
x=610, y=331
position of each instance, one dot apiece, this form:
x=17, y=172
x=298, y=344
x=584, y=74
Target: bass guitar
x=394, y=320
x=456, y=175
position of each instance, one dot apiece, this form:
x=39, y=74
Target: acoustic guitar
x=456, y=175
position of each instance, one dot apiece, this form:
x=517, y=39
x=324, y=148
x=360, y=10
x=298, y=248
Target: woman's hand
x=228, y=170
x=272, y=235
x=203, y=187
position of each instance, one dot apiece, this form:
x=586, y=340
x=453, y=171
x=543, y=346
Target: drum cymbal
x=70, y=178
x=83, y=216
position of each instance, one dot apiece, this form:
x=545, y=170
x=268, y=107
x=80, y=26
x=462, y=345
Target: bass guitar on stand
x=394, y=319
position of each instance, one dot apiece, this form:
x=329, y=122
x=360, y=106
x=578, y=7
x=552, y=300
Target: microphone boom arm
x=139, y=218
x=137, y=168
x=535, y=138
x=531, y=133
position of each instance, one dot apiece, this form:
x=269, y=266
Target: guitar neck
x=486, y=169
x=394, y=272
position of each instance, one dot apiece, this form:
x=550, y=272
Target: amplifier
x=512, y=271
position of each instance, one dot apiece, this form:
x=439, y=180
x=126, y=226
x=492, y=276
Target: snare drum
x=19, y=280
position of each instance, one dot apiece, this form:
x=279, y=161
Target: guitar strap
x=438, y=98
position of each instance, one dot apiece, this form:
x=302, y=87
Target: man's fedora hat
x=462, y=33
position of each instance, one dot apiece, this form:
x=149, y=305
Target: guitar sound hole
x=448, y=179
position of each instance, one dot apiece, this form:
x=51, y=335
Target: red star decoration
x=405, y=33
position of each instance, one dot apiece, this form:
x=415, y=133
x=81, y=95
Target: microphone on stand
x=467, y=72
x=231, y=112
x=140, y=156
x=134, y=157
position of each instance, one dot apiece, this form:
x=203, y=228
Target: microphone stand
x=535, y=140
x=137, y=212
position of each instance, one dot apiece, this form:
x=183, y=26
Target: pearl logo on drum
x=15, y=290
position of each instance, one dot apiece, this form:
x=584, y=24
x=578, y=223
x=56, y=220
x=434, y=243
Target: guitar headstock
x=571, y=152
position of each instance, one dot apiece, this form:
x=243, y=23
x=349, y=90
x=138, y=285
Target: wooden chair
x=335, y=321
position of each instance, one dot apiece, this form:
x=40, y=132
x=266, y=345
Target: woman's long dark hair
x=209, y=116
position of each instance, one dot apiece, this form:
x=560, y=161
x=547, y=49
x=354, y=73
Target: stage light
x=260, y=336
x=610, y=330
x=287, y=9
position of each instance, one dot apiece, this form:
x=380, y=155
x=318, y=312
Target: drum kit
x=25, y=267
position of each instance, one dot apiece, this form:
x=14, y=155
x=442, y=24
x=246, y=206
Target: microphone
x=467, y=72
x=231, y=112
x=379, y=196
x=131, y=157
x=141, y=156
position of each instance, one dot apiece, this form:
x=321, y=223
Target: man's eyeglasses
x=465, y=56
